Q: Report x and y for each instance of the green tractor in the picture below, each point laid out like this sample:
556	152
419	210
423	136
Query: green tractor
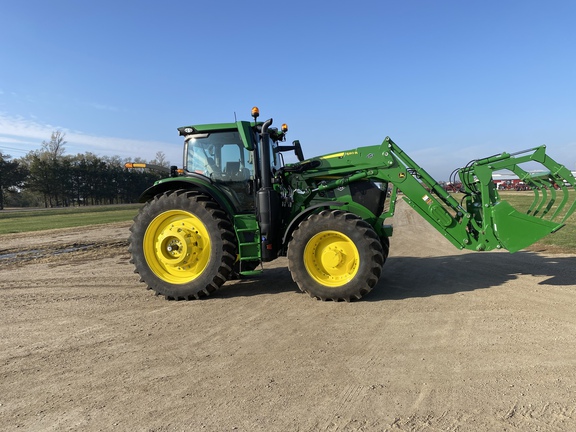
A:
236	204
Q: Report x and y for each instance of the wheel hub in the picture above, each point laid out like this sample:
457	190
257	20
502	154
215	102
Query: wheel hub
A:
179	246
331	258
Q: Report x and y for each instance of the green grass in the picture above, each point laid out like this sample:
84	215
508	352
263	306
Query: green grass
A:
16	221
561	241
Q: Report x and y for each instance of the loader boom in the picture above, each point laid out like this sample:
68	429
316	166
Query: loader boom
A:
481	221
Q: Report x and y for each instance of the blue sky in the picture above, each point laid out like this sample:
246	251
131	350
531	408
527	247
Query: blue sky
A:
449	81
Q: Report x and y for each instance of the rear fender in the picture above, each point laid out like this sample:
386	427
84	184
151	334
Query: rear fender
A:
204	187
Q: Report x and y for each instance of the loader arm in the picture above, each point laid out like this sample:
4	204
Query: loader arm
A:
482	220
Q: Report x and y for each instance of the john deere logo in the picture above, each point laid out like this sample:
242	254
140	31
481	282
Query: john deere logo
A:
401	175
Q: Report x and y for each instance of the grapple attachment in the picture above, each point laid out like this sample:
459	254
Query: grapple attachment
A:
494	219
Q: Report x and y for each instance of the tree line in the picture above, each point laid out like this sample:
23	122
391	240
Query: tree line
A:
48	178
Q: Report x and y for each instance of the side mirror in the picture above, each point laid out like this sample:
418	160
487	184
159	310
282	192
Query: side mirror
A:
295	146
298	150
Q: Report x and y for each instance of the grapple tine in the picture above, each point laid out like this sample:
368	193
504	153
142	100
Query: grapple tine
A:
541	188
570	210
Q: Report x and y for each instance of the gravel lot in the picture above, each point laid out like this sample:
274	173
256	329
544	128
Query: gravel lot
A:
447	341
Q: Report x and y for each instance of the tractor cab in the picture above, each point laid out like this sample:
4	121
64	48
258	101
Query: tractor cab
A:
239	158
220	155
225	155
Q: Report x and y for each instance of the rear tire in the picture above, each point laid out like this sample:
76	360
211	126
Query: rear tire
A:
182	245
334	255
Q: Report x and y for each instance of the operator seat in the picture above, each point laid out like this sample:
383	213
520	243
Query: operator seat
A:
234	172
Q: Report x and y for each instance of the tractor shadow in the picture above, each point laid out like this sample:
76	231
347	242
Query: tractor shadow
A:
411	277
274	280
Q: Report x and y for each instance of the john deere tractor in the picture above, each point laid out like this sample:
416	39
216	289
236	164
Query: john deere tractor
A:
235	204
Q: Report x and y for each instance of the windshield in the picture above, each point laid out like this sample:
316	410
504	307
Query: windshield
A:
220	156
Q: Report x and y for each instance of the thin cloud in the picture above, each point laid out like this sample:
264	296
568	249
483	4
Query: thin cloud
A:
23	128
19	131
103	107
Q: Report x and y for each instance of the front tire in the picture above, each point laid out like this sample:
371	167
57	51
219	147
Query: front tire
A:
334	255
182	245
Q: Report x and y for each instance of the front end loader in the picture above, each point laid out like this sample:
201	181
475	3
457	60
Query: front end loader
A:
235	204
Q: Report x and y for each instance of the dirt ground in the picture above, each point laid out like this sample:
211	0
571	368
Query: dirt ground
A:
447	341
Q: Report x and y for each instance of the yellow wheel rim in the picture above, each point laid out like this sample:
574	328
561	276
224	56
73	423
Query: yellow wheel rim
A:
331	258
177	246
